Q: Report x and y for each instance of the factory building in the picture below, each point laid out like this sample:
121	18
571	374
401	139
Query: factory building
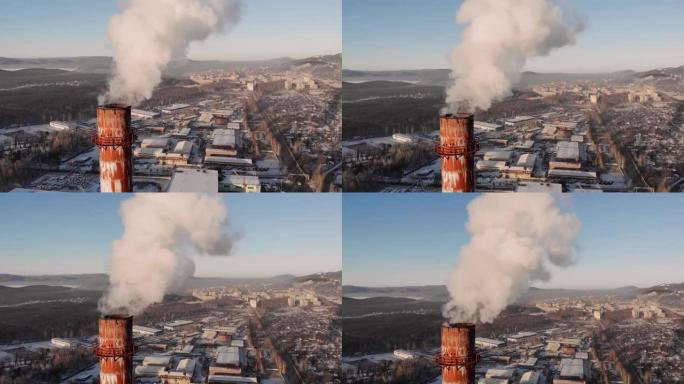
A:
144	115
180	326
176	109
229	361
521	336
162	143
491	166
218	379
500	373
652	311
234	162
194	180
522	122
498	156
240	183
481	127
484	342
146	331
530	378
183	148
573	369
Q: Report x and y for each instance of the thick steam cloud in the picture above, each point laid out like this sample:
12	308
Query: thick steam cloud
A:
148	34
161	235
500	36
511	239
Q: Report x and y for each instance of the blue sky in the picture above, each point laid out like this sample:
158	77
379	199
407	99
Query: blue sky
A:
413	34
269	28
398	240
73	233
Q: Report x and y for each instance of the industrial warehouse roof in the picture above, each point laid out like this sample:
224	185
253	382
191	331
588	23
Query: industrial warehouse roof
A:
231	379
175	107
184	147
567	150
242	180
572	369
487	126
228	356
571	174
527	160
529	378
186	365
228	161
485	340
141	329
498	155
488	165
143	113
155	143
157	360
519	119
522	335
193	180
499	373
224	138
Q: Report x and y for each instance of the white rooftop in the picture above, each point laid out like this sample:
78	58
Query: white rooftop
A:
572	368
567	150
228	356
224	138
519	119
242	180
231	379
194	180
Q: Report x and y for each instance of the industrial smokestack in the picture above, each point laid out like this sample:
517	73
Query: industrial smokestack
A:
114	139
457	357
116	349
457	149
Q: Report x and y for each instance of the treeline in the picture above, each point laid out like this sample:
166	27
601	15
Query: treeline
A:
45	366
411	371
31	106
384	117
380	334
47	320
19	159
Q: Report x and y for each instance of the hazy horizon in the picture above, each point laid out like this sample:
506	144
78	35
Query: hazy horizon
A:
176	60
195	276
527	71
532	287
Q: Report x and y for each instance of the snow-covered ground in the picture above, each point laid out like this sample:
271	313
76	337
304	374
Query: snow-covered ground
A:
30	129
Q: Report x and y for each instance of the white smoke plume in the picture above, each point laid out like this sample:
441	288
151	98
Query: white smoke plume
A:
500	36
162	234
511	239
148	34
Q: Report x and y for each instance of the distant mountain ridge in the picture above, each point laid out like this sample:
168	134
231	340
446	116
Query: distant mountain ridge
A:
439	292
103	64
528	78
100	281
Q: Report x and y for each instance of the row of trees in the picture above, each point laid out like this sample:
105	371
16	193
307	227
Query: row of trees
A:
20	158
